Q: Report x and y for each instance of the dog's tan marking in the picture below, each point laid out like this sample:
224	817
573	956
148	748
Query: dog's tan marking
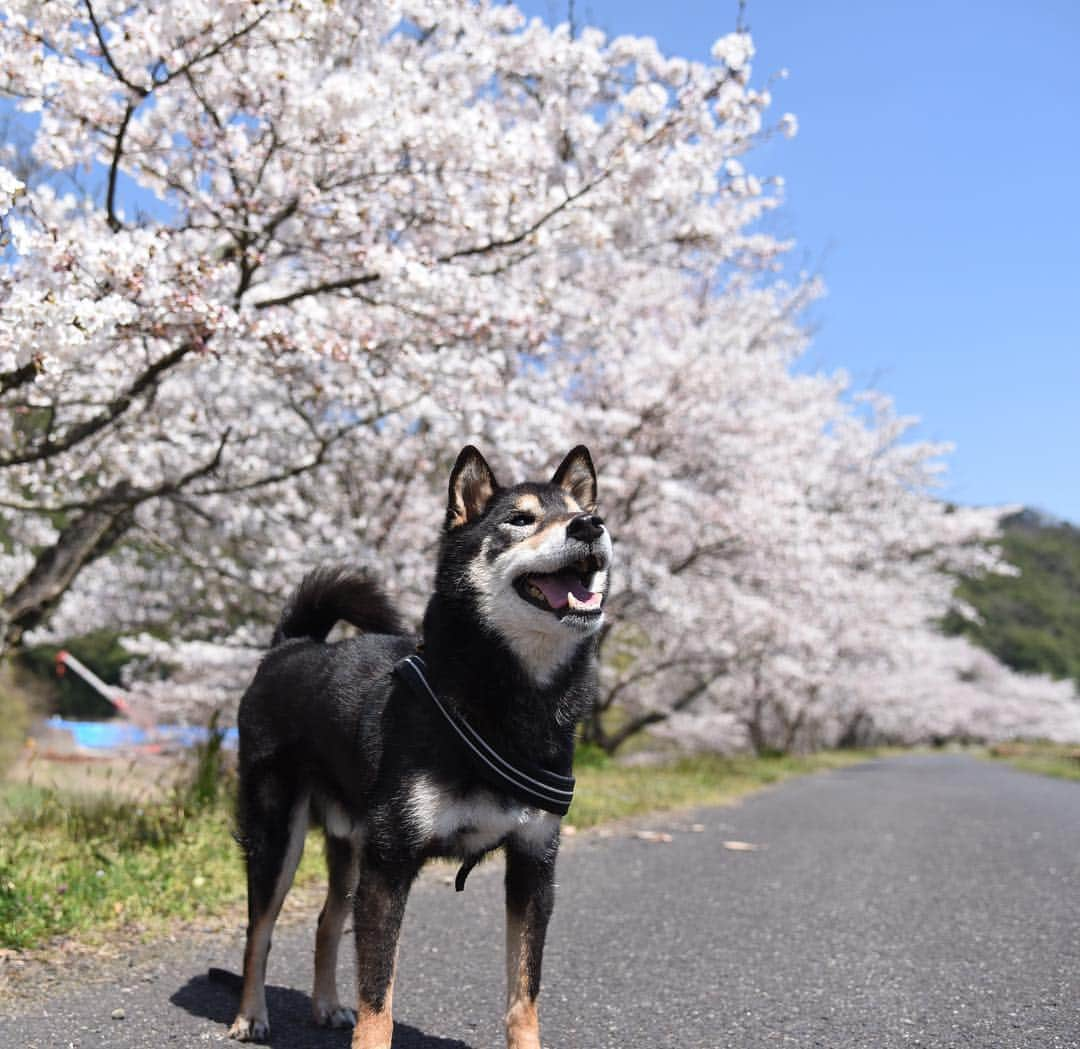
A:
377	915
325	1004
252	1018
375	1027
522	1017
539	539
529	504
253	997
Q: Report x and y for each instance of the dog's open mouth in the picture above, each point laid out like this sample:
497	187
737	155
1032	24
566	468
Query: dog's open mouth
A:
565	592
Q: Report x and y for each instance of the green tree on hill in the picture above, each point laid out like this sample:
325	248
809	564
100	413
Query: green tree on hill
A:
1030	621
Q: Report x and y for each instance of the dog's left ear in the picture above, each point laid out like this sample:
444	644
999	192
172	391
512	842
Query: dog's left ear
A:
577	476
472	484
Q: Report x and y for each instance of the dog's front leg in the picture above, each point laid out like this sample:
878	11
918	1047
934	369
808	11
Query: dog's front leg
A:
530	897
378	908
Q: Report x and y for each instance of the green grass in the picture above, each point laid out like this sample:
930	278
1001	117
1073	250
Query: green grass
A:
1046	759
71	864
82	866
607	791
19	798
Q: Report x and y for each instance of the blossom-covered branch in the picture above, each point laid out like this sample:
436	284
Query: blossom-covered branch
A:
354	236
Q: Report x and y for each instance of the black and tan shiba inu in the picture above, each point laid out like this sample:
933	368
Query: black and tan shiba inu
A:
457	751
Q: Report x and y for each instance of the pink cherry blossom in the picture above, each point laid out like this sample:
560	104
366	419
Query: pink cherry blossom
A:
279	261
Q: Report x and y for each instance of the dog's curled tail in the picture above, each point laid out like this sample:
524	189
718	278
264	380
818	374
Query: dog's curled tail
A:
326	595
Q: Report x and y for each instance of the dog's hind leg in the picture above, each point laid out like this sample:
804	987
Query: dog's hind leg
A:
530	897
273	834
378	909
341	864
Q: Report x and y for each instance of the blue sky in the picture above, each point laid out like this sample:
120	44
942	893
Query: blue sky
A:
935	184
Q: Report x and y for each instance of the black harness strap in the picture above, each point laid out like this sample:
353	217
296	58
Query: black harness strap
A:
532	784
465	870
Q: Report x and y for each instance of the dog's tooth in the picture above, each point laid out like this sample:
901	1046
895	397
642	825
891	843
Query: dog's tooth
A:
578	605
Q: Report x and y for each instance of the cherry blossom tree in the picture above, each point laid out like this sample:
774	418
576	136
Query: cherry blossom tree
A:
313	248
788	547
342	224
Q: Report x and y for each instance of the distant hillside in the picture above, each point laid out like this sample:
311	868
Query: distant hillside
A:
1030	621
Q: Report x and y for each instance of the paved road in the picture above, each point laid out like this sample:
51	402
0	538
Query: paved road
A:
916	902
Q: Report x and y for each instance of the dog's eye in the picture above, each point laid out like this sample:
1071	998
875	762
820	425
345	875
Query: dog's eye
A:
520	519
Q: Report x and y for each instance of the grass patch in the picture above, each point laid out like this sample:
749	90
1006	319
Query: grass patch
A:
18	798
1061	760
83	865
608	791
70	864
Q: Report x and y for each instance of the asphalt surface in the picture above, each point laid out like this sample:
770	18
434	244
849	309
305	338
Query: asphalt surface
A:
918	901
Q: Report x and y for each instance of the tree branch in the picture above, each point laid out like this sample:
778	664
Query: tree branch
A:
81	541
612	742
346	283
114	169
20	376
509	242
115	408
655	670
90	535
216	49
117	72
342	284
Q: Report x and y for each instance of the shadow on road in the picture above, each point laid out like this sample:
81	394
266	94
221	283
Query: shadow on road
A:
290	1018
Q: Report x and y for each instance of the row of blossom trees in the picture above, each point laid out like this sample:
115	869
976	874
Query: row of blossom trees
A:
315	247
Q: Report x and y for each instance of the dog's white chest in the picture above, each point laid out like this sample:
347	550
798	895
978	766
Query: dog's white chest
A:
466	825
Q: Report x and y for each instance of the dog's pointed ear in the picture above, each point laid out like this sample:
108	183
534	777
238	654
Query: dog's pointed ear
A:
472	485
577	476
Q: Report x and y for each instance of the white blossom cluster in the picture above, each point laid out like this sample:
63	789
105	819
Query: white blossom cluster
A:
283	259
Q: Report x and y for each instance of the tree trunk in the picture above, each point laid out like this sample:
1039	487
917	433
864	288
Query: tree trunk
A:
755	727
87	536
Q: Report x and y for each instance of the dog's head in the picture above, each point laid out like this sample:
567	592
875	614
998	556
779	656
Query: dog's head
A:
534	557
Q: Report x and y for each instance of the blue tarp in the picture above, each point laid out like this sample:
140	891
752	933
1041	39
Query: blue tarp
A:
107	735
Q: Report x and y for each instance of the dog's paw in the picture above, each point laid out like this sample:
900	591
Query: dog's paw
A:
330	1014
247	1029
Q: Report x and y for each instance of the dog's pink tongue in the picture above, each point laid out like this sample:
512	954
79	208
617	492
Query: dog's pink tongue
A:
558	588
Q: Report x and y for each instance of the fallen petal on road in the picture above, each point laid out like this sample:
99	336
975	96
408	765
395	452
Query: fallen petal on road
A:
656	836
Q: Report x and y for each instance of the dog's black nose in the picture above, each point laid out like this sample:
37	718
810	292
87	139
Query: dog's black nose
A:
585	527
